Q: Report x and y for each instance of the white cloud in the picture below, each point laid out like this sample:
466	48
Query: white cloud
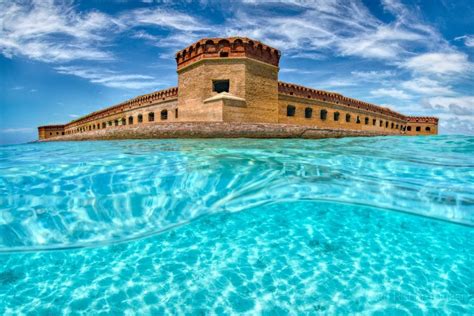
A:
73	115
439	63
110	78
177	41
55	32
461	105
144	35
167	19
17	130
338	82
386	42
299	71
373	75
52	32
337	27
468	40
390	92
424	85
320	25
453	124
313	55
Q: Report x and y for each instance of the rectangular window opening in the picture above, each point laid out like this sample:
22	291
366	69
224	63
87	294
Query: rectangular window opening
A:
220	86
290	110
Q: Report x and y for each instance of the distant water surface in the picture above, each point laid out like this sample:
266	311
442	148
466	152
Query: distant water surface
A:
381	224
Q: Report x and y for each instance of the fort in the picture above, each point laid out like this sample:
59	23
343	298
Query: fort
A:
228	87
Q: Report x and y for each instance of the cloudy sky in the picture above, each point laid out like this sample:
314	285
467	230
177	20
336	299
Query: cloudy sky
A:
61	60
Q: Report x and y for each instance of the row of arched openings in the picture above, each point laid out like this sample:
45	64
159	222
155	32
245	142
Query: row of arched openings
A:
323	115
124	121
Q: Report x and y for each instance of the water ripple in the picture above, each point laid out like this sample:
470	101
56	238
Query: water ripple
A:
78	194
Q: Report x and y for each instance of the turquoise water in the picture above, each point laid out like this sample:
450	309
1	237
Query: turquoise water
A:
238	226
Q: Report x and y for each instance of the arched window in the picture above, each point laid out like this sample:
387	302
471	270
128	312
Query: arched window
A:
308	112
124	121
290	110
427	128
104	125
336	116
374	122
348	117
391	125
140	118
396	126
418	128
130	120
116	122
358	119
386	124
151	117
164	115
366	121
176	113
324	114
381	123
409	128
110	123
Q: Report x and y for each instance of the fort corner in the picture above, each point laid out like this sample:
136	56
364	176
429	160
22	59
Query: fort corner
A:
233	82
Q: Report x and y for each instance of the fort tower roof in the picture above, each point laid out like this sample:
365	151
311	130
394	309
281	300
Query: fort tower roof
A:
230	47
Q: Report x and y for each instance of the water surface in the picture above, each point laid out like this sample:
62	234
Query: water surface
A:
381	224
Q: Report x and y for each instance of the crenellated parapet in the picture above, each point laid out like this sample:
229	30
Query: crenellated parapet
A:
231	47
327	96
142	100
52	126
422	119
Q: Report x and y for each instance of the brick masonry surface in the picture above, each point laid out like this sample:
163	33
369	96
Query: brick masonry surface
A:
213	130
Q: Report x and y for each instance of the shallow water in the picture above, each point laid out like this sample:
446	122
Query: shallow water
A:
271	226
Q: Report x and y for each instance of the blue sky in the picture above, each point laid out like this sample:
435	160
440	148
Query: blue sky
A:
61	60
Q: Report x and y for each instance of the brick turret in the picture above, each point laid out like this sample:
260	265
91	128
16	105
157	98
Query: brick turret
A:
243	68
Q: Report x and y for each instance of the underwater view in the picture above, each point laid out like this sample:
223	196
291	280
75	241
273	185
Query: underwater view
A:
380	225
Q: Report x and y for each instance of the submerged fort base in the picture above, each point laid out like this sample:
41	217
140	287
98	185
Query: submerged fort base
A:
228	87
